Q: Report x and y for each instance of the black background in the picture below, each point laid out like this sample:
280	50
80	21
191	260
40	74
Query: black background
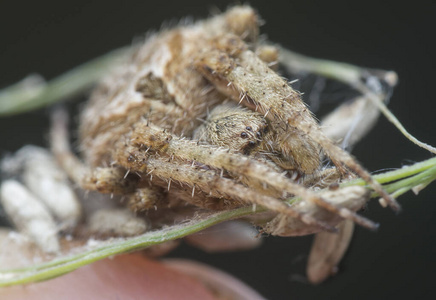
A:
50	37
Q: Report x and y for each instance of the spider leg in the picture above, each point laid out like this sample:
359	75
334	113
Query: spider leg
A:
144	198
137	160
243	73
207	180
353	197
346	125
110	180
152	137
323	178
97	139
269	55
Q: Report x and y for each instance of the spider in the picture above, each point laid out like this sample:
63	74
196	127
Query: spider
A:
198	116
150	119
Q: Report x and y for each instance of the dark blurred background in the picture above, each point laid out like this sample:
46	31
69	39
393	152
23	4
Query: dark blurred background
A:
50	37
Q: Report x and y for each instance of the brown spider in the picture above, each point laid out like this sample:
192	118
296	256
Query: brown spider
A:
147	125
198	115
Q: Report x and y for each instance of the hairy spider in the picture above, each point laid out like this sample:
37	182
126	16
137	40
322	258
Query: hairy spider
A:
174	113
198	116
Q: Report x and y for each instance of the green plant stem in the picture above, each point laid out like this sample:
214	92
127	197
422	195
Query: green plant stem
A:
405	179
397	174
22	97
70	263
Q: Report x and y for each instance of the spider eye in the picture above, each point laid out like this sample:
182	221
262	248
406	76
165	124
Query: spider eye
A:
248	128
249	147
244	135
